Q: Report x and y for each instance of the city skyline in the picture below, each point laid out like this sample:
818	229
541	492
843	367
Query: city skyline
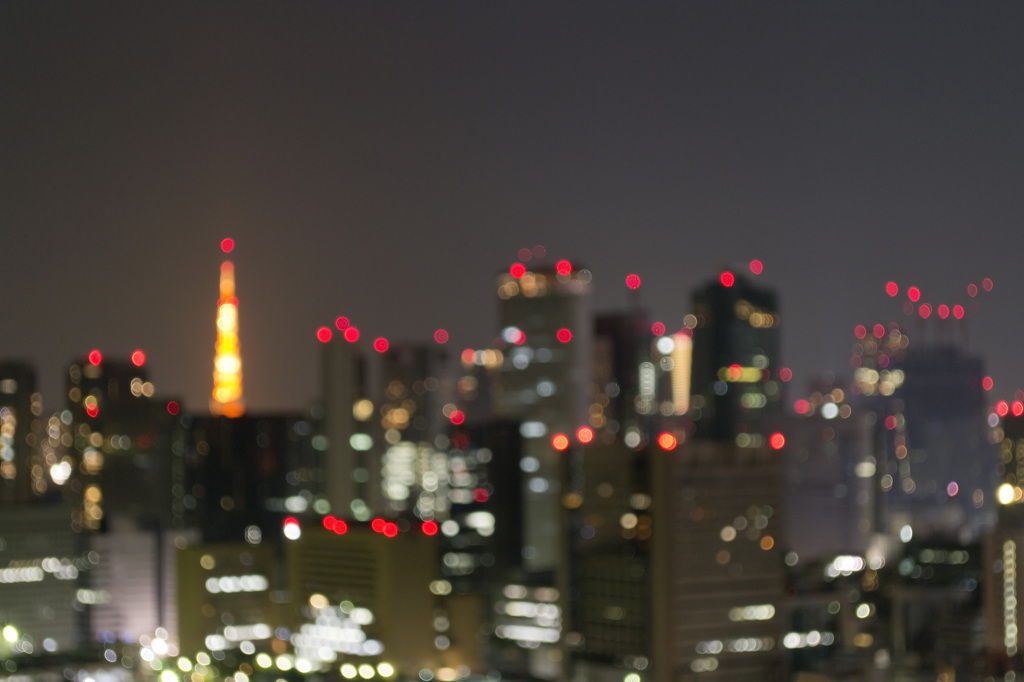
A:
386	162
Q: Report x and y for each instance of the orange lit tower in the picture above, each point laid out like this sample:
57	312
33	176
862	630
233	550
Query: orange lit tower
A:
227	364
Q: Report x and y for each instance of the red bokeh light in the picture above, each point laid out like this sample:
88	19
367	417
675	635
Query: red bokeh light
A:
457	417
291	521
925	311
657	329
666	441
986	284
972	290
785	374
480	495
342	323
329	522
173	407
380	344
563	335
138	358
525	254
227	244
1002	408
339	527
756	267
95	357
735	372
860	331
441	336
892	288
469	356
943	310
539	251
378	524
878	330
727	279
913	293
517	270
801	406
958	312
890	422
777	441
351	334
429	527
987	383
92	409
519	337
390	529
1017	408
560	442
633	281
324	334
584	434
563	267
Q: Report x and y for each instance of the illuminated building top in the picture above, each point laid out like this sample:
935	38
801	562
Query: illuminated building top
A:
227	364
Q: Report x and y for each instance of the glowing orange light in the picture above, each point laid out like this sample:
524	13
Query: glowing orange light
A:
390	529
1002	408
943	310
860	331
429	527
227	245
517	270
342	323
584	434
323	334
657	329
138	358
563	267
892	288
441	336
457	417
378	524
469	356
560	442
480	495
564	335
351	334
777	441
785	374
633	281
92	409
756	267
878	330
727	279
95	357
972	290
380	344
986	284
958	312
987	383
666	441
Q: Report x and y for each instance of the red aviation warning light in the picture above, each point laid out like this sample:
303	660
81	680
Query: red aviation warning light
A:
351	334
517	270
633	281
727	279
584	434
429	527
756	267
342	323
227	245
323	334
563	335
892	288
378	525
777	441
138	358
1002	408
380	345
95	357
563	267
914	294
441	336
666	441
560	442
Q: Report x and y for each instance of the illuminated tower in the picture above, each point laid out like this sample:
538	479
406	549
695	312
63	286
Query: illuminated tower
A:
227	364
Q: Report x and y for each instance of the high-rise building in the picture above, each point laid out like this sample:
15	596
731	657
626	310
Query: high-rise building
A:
22	470
736	377
227	363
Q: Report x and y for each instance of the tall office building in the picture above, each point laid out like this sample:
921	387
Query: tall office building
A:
736	378
227	363
22	469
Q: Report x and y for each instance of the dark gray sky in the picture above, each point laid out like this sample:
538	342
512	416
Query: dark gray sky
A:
383	160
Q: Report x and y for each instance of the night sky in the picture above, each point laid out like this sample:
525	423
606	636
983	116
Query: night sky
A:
384	160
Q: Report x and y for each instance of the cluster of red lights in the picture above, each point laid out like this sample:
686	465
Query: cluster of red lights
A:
943	311
335	525
1004	408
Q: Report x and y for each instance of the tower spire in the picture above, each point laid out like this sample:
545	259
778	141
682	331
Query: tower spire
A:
227	363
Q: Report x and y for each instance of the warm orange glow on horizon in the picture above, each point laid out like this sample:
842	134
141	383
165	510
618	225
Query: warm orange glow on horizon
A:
227	363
